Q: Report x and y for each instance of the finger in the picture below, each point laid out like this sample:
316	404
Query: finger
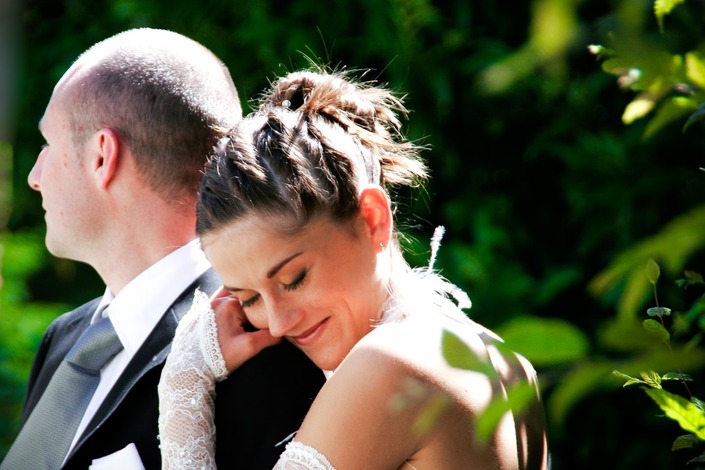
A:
262	339
228	311
245	346
219	296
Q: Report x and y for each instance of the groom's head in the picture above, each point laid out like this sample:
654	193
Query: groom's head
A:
133	119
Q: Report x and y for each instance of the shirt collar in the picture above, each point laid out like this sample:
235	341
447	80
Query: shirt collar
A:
139	306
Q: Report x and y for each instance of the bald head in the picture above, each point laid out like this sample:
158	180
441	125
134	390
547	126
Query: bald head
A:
166	96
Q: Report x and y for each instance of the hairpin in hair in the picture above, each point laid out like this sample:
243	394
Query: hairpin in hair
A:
286	103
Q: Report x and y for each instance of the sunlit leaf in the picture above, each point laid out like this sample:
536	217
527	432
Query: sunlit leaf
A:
638	108
688	416
695	68
651	379
663	8
629	379
545	341
458	354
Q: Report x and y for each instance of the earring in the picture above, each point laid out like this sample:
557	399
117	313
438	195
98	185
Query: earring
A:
381	245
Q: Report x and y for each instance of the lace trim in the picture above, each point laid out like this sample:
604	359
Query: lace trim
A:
209	334
299	456
187	391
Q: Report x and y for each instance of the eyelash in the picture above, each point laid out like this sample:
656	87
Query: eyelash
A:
298	282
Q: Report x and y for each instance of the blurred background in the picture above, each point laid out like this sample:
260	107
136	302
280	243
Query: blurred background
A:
557	172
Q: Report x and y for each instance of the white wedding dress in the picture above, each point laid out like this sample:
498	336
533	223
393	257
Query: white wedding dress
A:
186	399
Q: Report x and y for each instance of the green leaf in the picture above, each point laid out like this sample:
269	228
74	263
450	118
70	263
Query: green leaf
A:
629	379
458	354
518	398
676	376
686	441
691	278
699	403
652	271
695	68
663	8
544	341
698	459
658	311
697	117
688	416
657	329
651	379
670	110
638	108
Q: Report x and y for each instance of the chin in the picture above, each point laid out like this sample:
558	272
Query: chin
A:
327	363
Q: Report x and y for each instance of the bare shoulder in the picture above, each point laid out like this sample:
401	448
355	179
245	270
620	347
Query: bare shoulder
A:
396	397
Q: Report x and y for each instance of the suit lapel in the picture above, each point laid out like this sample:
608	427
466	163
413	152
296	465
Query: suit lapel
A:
152	353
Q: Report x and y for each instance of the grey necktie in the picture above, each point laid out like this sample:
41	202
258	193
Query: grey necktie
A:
46	437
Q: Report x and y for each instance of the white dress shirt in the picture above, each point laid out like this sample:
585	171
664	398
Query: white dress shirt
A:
136	310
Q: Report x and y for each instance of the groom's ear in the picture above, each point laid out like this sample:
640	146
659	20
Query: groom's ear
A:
105	156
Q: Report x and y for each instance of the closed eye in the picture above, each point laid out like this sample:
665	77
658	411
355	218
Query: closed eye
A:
296	283
249	302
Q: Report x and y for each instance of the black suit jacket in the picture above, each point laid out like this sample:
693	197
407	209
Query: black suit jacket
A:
258	406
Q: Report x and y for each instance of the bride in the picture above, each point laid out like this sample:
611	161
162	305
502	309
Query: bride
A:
295	216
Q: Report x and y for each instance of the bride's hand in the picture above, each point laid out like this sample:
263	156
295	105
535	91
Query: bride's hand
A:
236	343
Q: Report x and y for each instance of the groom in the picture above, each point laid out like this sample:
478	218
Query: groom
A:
127	130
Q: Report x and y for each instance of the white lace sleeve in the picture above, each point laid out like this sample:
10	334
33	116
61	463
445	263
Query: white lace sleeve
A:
299	456
187	390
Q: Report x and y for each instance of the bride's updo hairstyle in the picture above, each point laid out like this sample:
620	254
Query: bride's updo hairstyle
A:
315	141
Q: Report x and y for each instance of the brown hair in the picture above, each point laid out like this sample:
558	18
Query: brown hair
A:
166	95
316	139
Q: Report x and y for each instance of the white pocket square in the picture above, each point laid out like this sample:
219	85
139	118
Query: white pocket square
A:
124	459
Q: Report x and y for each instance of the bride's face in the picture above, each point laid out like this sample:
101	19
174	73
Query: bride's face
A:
320	288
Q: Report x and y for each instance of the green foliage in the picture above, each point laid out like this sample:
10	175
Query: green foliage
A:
545	342
667	83
663	8
688	413
690	417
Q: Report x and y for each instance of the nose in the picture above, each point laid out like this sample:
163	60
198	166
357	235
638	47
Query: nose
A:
283	317
36	174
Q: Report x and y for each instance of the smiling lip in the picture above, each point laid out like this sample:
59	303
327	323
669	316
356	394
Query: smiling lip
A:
309	336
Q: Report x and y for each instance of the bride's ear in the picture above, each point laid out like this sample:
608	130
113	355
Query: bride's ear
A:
376	212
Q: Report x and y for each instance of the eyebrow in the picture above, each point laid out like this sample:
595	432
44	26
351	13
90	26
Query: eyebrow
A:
272	272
